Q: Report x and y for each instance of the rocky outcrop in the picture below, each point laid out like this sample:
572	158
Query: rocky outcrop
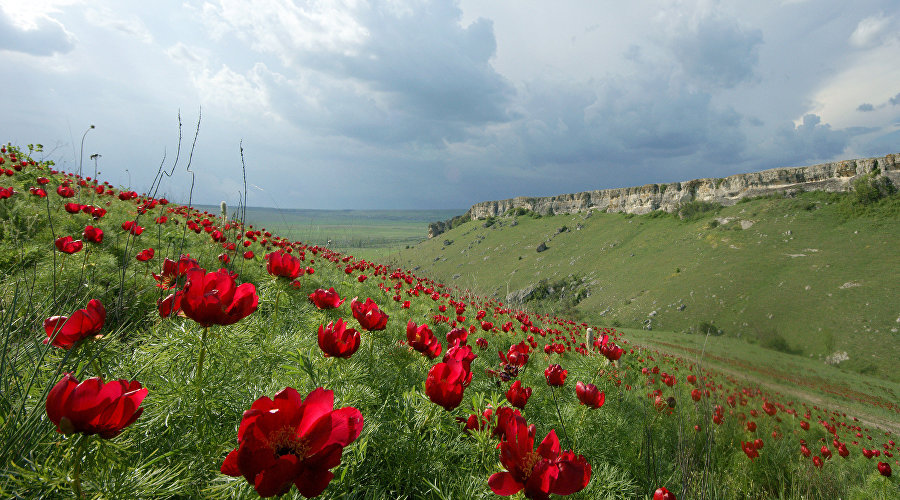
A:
835	176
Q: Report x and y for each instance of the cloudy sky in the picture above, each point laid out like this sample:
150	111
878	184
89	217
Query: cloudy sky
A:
441	104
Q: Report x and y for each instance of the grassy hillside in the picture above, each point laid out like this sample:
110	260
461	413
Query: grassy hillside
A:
812	275
227	393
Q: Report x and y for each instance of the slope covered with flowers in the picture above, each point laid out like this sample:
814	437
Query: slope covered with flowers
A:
154	350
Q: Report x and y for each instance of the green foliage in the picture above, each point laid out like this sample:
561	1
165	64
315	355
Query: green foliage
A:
771	339
708	328
871	187
409	448
693	210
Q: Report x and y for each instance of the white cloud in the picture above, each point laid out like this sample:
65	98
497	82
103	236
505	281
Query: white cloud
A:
27	31
865	77
130	25
29	14
873	31
283	27
237	94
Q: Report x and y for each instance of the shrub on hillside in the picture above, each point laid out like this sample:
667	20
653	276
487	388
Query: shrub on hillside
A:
708	328
870	188
771	339
696	209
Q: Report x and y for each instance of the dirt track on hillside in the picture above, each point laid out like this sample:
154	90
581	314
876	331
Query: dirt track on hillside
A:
789	389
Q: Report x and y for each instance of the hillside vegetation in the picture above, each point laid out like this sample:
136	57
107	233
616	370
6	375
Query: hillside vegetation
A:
153	350
813	275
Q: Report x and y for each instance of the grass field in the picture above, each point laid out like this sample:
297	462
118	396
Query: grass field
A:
801	275
422	397
367	234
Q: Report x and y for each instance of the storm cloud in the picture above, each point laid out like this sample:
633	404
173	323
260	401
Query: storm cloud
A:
427	103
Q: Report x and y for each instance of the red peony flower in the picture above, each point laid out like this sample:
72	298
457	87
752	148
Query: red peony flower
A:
481	342
325	299
464	356
82	324
368	314
173	270
66	244
696	394
555	375
610	350
169	305
145	255
249	254
540	472
445	384
518	395
884	469
93	407
589	395
750	449
283	264
337	340
39	192
95	212
92	234
65	191
132	227
663	494
457	336
422	339
215	298
286	440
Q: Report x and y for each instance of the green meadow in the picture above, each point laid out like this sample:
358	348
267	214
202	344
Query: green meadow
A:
813	275
712	415
362	233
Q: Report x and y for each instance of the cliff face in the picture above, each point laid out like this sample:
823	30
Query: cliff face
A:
835	176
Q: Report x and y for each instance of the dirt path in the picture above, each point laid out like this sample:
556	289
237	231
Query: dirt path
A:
865	419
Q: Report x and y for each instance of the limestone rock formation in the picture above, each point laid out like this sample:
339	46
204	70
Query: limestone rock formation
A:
833	177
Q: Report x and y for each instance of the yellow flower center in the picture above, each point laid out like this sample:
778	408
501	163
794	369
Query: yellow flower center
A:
285	441
530	461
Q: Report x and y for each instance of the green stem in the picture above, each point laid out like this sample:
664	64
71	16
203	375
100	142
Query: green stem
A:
77	454
558	414
277	296
96	367
202	355
581	420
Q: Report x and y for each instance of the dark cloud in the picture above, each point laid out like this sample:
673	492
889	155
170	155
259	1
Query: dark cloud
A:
47	38
810	141
895	100
417	76
618	122
882	145
718	52
865	107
